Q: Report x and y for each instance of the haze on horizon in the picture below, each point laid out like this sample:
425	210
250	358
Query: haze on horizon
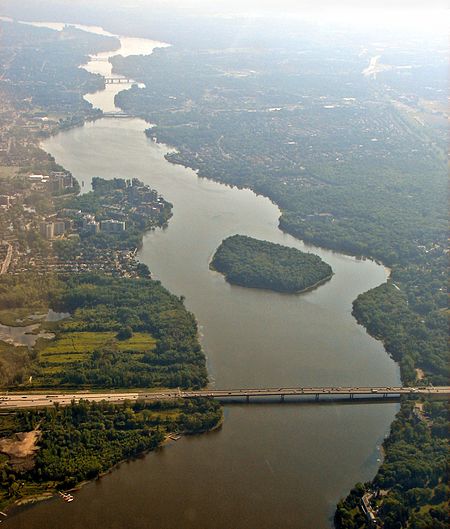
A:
405	13
276	5
410	15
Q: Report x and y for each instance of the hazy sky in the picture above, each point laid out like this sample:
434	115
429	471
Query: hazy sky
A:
427	15
294	5
425	12
248	6
417	16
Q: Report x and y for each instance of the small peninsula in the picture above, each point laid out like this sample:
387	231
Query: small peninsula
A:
253	263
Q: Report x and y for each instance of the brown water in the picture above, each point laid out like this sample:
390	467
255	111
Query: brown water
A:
270	466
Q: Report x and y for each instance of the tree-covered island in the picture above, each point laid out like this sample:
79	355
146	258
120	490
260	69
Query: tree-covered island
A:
361	189
376	188
253	263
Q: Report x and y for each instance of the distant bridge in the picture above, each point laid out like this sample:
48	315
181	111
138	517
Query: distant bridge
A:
297	394
118	80
114	114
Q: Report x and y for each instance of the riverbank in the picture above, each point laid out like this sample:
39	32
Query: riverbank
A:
169	439
381	324
147	428
313	339
81	219
294	292
329	207
195	282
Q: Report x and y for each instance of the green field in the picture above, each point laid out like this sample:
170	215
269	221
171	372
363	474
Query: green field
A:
78	346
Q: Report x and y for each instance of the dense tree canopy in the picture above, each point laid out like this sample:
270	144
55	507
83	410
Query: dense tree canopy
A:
260	264
100	303
83	440
351	171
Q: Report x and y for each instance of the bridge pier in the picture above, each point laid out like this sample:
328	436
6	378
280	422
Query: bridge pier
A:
317	396
247	398
282	398
351	396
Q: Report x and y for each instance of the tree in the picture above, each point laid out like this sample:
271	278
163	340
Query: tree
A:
125	333
143	270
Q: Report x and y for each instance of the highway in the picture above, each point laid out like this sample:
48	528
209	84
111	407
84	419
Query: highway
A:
38	400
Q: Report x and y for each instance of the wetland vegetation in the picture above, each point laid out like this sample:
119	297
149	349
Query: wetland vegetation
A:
162	347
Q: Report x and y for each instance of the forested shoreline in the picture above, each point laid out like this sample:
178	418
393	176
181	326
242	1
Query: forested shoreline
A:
83	441
396	214
167	354
387	202
113	327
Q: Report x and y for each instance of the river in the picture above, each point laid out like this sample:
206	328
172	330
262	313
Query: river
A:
269	466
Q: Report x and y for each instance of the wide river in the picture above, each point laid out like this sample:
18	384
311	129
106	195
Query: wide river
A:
269	466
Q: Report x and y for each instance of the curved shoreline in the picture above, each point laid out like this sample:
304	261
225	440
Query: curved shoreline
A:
284	292
28	501
281	230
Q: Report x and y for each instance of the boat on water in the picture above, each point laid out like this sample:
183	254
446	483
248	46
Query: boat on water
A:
66	497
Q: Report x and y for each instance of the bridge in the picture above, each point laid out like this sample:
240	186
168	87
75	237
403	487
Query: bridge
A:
118	80
116	115
295	394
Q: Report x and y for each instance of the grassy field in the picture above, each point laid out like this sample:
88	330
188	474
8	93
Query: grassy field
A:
77	346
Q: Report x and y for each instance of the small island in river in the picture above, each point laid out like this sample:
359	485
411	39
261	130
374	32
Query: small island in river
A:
253	263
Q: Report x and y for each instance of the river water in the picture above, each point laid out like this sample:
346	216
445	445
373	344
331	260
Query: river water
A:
269	466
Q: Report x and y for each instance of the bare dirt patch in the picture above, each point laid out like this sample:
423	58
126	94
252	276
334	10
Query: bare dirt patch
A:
420	374
20	448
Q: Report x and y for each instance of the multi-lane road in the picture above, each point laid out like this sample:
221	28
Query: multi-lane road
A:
36	400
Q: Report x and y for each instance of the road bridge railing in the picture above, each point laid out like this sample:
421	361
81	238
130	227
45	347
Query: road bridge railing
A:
35	400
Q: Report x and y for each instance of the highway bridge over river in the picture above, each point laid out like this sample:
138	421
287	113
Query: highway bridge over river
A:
118	80
260	395
116	114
